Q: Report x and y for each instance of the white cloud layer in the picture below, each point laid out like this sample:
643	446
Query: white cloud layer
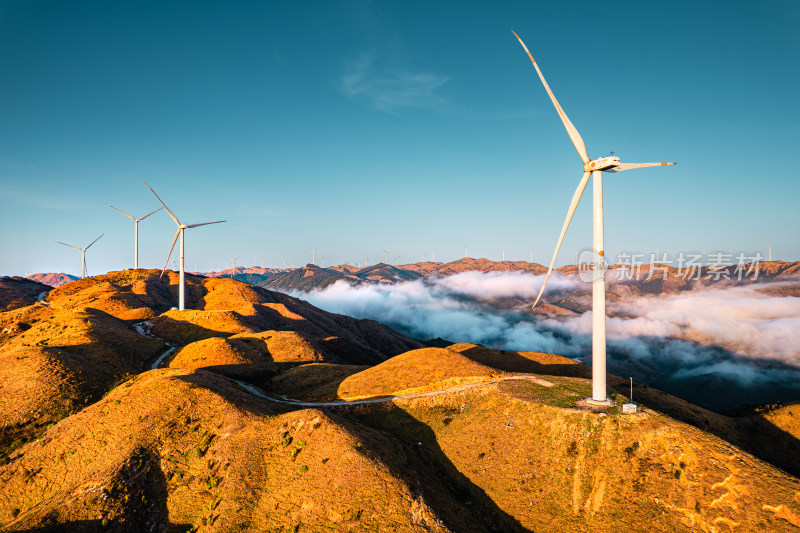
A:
738	332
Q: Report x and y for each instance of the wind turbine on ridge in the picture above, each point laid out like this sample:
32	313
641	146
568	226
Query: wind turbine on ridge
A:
594	169
385	251
135	232
181	228
313	256
83	254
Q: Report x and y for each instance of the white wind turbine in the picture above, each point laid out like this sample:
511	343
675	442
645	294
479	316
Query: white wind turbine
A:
181	227
595	169
83	254
313	255
135	232
385	252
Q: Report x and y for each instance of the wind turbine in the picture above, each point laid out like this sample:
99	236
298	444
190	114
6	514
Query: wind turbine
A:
384	255
233	267
135	232
83	254
181	227
595	169
313	256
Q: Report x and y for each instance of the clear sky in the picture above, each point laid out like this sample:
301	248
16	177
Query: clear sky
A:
410	126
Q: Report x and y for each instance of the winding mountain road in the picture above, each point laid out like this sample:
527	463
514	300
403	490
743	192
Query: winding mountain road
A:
383	399
141	330
41	299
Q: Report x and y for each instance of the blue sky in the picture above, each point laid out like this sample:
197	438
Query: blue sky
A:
409	126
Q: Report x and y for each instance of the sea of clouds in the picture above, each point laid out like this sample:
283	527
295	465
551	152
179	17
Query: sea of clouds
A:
742	333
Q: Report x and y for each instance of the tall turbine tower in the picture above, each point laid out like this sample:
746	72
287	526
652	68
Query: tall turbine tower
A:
135	232
313	256
384	255
233	267
593	169
83	254
181	228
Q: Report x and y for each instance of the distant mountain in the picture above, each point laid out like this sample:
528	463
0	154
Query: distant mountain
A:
53	279
621	281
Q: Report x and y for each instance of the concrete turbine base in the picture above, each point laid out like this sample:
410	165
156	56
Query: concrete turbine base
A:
600	403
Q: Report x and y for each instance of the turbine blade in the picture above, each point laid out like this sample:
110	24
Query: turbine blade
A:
174	240
204	224
572	206
123	212
629	166
574	136
171	214
150	213
94	241
65	244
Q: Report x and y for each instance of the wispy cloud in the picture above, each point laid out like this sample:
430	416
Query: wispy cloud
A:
388	89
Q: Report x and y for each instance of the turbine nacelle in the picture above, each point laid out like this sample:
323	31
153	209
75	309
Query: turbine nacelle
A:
601	163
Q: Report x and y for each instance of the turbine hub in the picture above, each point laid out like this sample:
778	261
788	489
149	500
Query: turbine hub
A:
602	163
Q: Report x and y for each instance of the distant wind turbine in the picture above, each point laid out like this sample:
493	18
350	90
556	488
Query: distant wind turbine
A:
384	255
593	169
181	228
313	256
770	251
233	266
135	232
83	254
466	249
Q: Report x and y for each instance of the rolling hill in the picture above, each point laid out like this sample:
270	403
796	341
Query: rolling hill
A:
276	416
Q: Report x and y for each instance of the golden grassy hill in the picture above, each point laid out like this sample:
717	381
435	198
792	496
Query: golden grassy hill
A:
773	436
18	292
530	362
178	449
252	356
786	418
312	380
543	465
426	368
223	307
57	361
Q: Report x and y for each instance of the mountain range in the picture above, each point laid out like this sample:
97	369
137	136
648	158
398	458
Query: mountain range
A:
256	411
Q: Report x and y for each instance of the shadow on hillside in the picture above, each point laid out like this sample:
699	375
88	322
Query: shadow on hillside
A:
138	503
762	438
514	362
230	391
464	506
